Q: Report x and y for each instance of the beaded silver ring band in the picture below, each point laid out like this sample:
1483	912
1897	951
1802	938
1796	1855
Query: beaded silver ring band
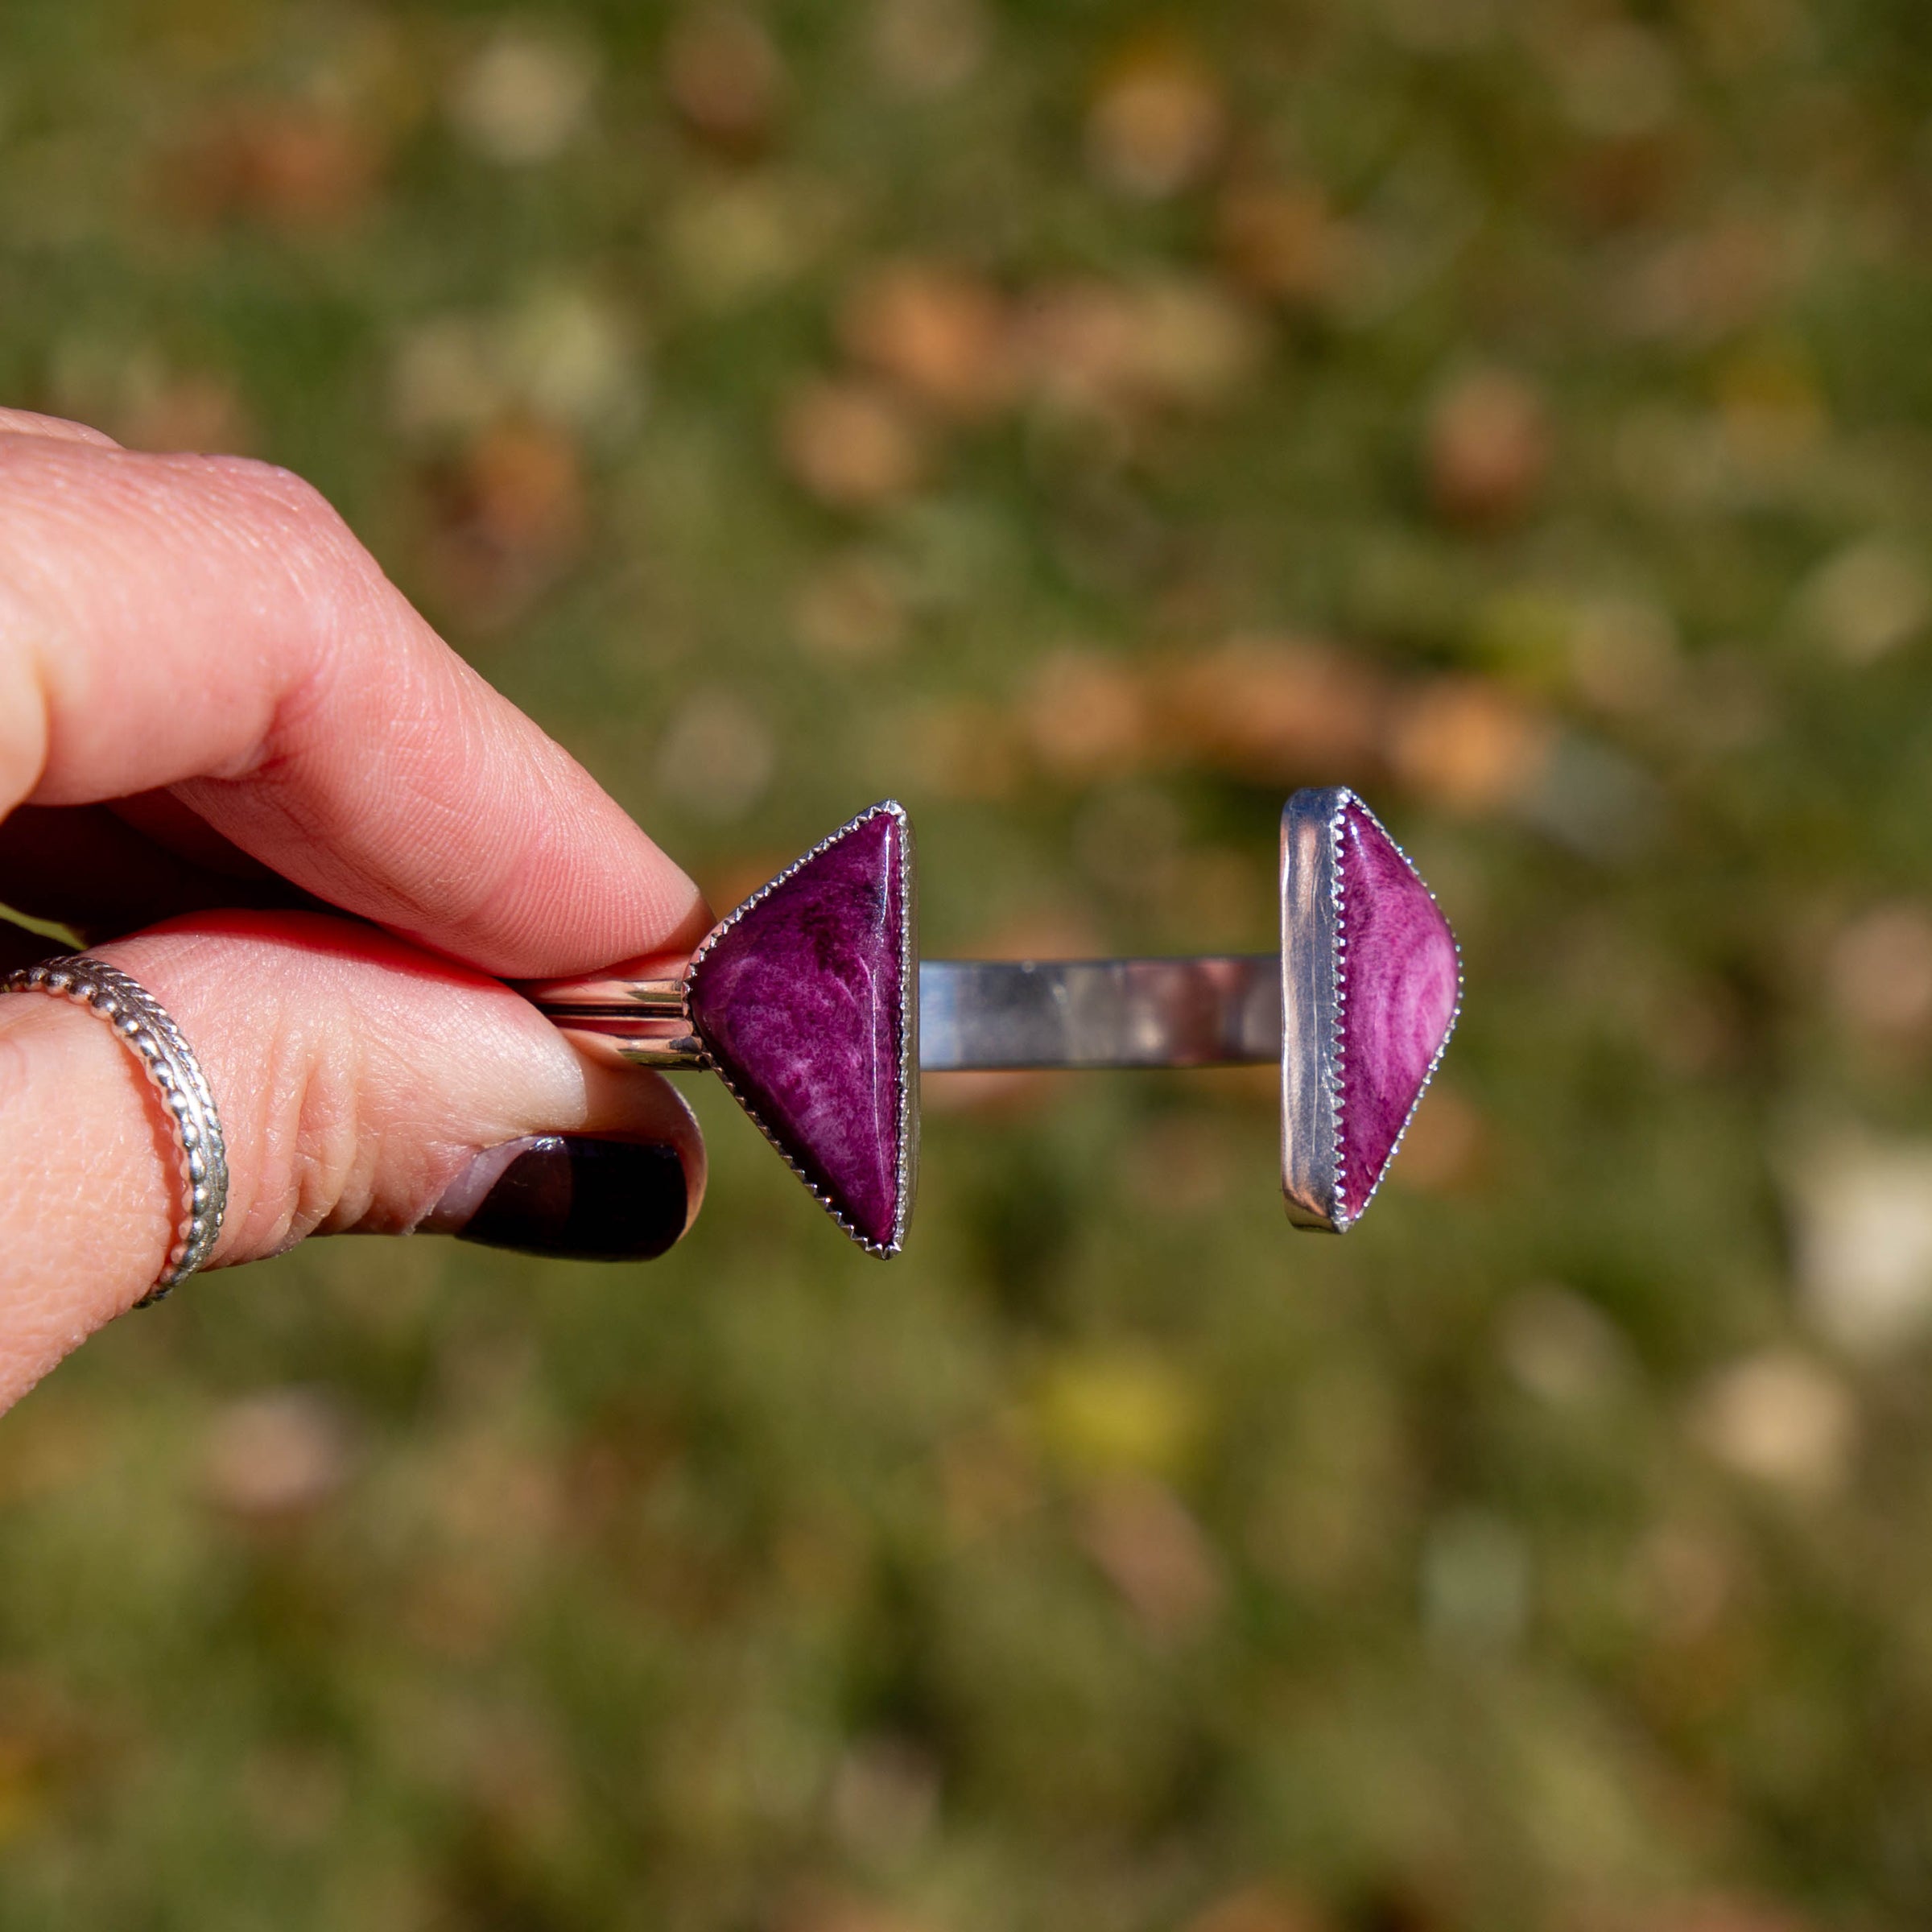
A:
146	1028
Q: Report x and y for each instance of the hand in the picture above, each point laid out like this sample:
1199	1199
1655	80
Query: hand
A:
220	723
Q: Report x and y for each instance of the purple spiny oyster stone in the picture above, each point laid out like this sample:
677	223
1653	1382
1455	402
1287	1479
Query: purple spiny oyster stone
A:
801	1000
1400	979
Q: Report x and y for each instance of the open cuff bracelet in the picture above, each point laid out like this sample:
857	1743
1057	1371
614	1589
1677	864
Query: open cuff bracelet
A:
811	1003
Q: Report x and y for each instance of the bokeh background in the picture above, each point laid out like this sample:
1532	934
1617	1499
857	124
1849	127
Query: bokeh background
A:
1085	421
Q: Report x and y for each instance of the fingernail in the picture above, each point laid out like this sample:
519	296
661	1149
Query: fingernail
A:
572	1195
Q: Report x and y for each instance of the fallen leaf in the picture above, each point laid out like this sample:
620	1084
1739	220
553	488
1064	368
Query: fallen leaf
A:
929	46
1487	449
850	610
1157	123
938	331
725	77
278	1455
1470	745
1779	1418
299	165
1087	715
524	96
1150	1547
851	444
1282	242
1274	710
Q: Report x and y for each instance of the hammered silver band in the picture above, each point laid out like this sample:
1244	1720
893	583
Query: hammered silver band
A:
144	1026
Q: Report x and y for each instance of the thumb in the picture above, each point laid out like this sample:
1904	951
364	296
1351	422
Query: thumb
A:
362	1085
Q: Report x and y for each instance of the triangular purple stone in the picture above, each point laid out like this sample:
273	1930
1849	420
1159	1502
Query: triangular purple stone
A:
801	998
1400	978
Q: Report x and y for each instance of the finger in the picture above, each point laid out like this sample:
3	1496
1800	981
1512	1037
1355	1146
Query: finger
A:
31	423
361	1085
208	624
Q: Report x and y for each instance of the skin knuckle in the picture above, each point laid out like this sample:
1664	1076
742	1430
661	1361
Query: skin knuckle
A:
312	1162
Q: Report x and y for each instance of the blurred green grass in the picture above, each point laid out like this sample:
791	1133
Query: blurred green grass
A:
1085	423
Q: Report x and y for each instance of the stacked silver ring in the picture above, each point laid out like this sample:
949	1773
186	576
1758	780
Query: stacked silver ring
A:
145	1027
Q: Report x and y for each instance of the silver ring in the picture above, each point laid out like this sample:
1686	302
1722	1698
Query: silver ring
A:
144	1026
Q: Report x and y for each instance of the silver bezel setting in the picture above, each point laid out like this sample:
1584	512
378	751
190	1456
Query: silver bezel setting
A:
906	1167
1311	919
1314	995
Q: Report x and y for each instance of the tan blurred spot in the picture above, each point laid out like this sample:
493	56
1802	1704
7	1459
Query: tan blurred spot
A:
961	748
1781	1417
725	76
564	354
1700	286
279	1454
731	239
1148	1544
292	164
1273	710
717	756
1624	656
524	96
1868	600
1260	1909
1282	242
884	1797
1443	1150
508	512
1102	347
446	376
572	357
1487	449
1562	1348
851	444
1469	745
939	331
1880	973
528	490
929	46
1085	714
1158	121
1862	1208
201	413
850	610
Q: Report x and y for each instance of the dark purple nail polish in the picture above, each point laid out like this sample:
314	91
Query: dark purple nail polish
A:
574	1196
